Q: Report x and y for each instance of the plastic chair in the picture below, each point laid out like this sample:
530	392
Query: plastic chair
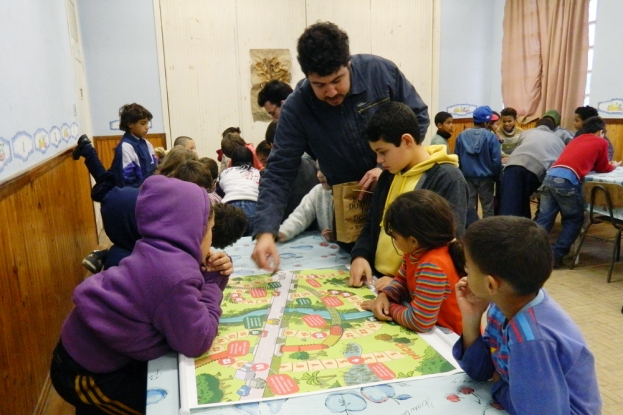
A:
603	198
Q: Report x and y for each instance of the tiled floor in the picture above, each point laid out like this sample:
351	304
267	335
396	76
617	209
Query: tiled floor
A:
583	292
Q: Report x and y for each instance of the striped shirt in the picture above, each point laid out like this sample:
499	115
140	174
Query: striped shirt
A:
426	282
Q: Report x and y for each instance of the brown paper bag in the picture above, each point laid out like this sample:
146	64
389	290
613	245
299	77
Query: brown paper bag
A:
350	213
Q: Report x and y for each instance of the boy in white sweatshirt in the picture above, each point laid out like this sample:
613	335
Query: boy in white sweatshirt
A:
317	204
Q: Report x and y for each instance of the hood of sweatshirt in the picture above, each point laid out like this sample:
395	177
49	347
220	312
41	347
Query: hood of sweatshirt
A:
438	155
476	139
171	212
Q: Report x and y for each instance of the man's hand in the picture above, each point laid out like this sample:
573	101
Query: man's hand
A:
368	181
359	271
265	252
219	261
379	306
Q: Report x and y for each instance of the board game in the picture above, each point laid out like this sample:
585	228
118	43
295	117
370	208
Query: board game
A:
301	332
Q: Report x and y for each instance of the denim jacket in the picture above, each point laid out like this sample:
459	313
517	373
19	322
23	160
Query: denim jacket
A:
331	134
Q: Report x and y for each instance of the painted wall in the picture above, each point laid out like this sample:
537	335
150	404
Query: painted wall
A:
471	56
121	60
37	86
607	83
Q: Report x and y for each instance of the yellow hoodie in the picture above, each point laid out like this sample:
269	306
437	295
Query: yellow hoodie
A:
387	260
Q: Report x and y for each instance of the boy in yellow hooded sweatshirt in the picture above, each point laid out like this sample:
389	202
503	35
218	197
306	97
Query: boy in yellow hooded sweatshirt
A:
393	134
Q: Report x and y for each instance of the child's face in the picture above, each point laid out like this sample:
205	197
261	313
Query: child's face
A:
403	243
392	158
494	125
447	126
476	280
190	145
577	122
140	128
261	157
508	123
207	240
323	180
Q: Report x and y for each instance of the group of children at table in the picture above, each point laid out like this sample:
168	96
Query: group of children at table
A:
166	294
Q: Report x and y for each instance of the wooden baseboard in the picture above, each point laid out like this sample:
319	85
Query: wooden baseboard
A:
43	397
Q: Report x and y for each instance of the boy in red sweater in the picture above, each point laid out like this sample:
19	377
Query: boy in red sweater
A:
562	188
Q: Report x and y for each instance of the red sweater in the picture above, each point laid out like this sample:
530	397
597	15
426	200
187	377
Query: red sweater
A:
585	153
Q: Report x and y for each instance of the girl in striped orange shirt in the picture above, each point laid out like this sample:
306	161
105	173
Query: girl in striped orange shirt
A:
421	295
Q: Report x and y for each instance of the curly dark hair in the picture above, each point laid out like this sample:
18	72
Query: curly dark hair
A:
508	111
274	92
230	223
131	113
323	49
586	112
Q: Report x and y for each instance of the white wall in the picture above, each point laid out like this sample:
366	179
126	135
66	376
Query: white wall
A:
606	92
38	104
121	60
471	55
207	61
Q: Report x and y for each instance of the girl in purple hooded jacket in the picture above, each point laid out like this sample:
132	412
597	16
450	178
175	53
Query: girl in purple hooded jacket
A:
165	296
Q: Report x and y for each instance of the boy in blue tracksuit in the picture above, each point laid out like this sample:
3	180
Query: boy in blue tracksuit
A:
531	349
135	159
480	160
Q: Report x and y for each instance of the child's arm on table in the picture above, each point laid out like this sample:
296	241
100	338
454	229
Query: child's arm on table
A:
431	289
382	304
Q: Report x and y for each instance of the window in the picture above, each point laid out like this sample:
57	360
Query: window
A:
592	19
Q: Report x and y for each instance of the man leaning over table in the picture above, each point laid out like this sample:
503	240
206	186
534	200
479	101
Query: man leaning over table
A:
325	116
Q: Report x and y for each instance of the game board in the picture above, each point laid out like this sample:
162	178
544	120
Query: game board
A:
301	332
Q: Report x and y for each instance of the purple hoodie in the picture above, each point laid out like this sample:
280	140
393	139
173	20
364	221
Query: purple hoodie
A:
157	299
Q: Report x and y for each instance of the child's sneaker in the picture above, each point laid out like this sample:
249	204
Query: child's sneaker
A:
83	141
94	262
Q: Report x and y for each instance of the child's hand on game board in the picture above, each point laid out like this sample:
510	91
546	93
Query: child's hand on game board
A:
382	282
219	261
379	306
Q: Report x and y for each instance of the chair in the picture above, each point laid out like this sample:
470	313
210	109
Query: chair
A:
603	199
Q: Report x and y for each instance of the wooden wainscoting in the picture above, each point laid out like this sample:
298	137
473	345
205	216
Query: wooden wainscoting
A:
48	226
614	131
105	145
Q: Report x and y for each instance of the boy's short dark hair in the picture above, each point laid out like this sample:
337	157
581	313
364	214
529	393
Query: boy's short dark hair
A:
230	223
548	122
131	113
270	132
230	141
241	156
274	91
592	125
586	112
323	49
263	148
182	140
441	117
511	248
194	172
508	111
230	130
390	122
212	165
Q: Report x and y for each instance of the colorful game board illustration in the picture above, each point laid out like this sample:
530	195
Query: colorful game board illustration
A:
302	332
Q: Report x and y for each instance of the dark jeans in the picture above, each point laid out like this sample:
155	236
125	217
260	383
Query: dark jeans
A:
122	392
249	207
481	189
518	184
104	179
560	195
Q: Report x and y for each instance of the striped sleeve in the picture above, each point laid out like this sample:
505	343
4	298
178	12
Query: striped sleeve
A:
132	175
432	287
397	291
